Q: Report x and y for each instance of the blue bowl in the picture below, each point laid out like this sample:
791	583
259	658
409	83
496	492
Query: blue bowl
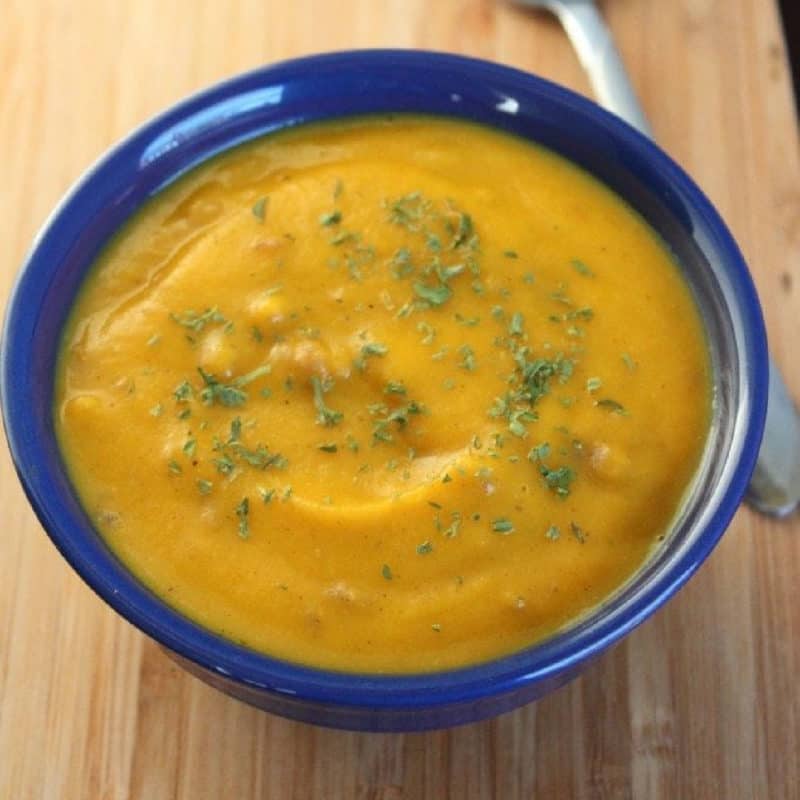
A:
352	83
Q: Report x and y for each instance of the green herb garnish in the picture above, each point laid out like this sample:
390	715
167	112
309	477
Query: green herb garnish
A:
331	218
196	322
612	406
581	268
553	533
577	532
325	416
503	525
259	208
266	495
467	358
242	512
435	295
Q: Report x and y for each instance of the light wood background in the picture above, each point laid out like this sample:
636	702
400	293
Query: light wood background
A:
702	701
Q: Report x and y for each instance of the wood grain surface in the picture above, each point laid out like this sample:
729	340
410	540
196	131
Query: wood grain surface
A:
702	701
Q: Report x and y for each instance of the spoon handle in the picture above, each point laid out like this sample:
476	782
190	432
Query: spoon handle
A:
775	485
600	58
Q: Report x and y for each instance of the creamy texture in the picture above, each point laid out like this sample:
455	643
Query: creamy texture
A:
385	395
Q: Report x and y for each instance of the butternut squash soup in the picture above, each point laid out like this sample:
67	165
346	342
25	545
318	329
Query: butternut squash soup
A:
391	394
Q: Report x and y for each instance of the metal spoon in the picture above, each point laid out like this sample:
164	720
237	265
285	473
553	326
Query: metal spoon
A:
775	485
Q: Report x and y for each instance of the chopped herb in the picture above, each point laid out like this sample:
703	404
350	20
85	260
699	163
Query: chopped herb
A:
428	331
174	467
408	210
157	410
338	188
558	480
190	447
515	327
224	465
260	457
401	263
424	548
325	415
477	287
153	340
436	627
593	384
352	444
255	332
540	452
467	358
204	486
255	374
196	322
455	524
529	278
584	313
394	387
343	237
611	405
446	273
331	218
446	478
464	231
503	525
435	295
183	392
468	322
510	254
216	392
498	313
439	354
517	420
386	571
581	268
259	208
629	362
577	532
287	493
560	297
374	349
328	447
553	533
236	430
242	512
266	495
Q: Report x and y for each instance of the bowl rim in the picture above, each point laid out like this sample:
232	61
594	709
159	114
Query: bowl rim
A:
502	675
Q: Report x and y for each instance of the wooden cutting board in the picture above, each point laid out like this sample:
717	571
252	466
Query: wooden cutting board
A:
701	701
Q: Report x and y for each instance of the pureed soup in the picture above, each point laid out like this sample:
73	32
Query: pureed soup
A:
388	394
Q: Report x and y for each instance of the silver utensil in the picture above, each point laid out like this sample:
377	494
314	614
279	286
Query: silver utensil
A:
775	485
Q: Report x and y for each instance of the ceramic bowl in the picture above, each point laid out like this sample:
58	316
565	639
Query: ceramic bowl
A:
364	82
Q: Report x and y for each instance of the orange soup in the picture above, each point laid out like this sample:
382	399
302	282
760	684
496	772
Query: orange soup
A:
388	394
